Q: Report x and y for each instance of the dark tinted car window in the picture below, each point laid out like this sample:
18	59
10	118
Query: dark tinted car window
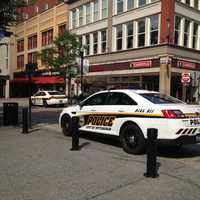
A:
118	98
157	98
40	94
98	99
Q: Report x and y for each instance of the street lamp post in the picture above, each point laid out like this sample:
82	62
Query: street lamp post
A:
81	75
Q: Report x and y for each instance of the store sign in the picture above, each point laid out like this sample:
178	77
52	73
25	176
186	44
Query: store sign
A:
141	64
185	78
185	64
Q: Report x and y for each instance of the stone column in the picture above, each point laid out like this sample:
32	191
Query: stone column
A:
165	76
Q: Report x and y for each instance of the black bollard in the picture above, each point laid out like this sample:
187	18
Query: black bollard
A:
75	133
29	113
152	135
25	120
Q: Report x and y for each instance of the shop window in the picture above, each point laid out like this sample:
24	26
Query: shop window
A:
32	42
88	13
154	30
96	10
177	30
130	4
104	9
119	37
195	36
81	16
47	37
186	33
129	37
20	45
141	3
141	32
103	41
95	43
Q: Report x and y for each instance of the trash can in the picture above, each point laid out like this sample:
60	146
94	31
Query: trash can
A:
10	113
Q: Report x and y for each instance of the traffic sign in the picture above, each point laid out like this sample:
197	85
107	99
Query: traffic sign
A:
185	78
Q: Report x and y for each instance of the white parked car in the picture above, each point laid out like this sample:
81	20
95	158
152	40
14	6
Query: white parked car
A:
129	113
48	97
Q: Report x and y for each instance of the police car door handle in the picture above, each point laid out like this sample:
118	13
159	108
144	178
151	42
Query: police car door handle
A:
93	110
121	110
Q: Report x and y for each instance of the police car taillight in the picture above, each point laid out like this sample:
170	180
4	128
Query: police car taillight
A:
173	114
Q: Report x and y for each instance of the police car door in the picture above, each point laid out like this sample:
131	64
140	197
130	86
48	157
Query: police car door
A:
91	112
119	106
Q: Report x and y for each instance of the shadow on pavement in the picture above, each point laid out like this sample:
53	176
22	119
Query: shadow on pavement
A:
186	151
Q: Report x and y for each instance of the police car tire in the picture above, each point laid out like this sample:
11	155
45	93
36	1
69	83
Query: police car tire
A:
66	125
132	130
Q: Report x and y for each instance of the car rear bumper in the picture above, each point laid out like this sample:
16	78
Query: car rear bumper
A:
184	139
56	101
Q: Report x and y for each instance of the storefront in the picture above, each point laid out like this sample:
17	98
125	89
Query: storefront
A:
154	74
24	85
3	85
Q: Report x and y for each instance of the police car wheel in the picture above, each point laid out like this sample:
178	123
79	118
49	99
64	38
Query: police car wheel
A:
132	139
66	125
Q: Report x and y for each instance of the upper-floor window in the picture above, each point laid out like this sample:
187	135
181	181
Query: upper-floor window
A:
88	13
47	37
81	16
154	30
120	6
32	42
20	61
196	4
187	2
141	2
61	29
32	58
177	30
87	44
74	18
130	4
129	36
20	45
141	32
186	33
96	10
103	41
46	6
104	9
119	37
95	43
195	36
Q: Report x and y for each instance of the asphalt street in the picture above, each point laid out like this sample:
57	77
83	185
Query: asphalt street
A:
41	166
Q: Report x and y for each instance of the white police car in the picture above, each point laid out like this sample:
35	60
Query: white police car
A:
129	113
48	97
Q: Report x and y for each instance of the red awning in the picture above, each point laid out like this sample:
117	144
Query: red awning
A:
41	80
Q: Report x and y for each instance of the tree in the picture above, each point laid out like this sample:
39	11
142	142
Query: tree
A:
9	14
62	56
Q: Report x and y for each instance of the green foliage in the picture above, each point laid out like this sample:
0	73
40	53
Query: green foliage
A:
62	55
8	11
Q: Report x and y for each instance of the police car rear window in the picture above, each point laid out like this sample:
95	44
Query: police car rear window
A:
157	98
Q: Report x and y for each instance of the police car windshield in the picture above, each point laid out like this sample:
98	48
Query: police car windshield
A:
157	98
